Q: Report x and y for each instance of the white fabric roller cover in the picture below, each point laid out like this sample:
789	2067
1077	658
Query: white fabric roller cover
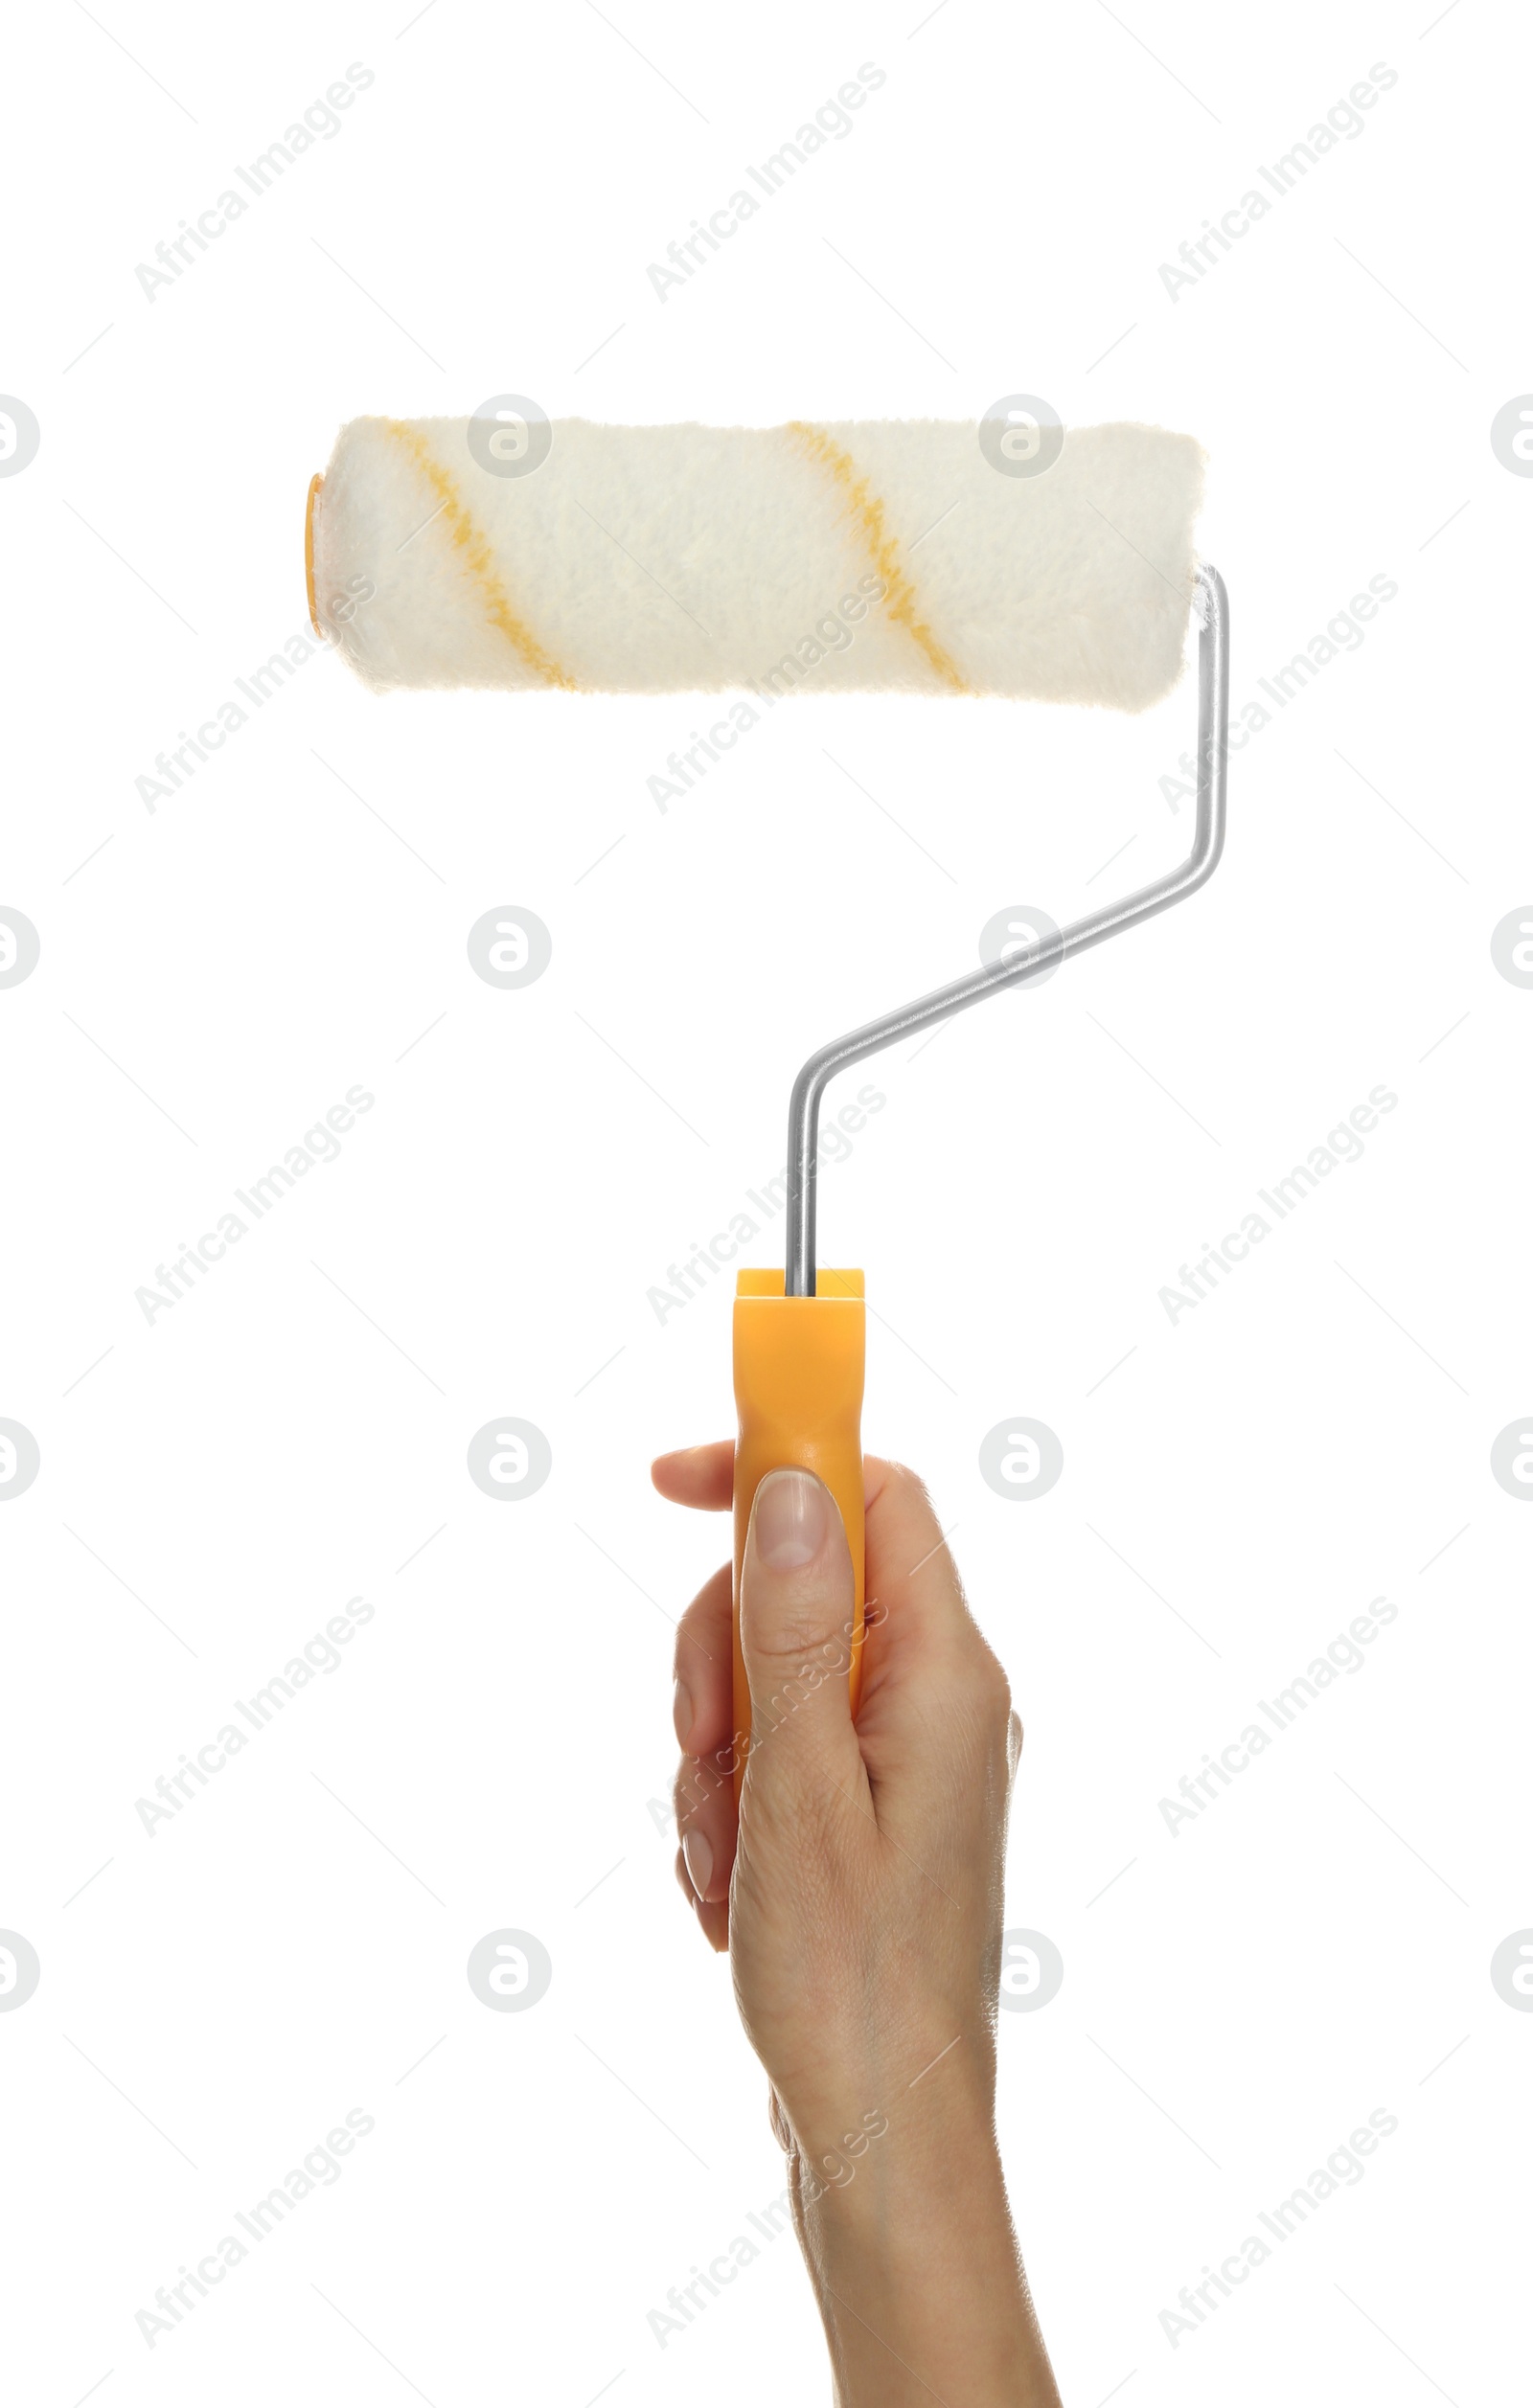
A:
858	557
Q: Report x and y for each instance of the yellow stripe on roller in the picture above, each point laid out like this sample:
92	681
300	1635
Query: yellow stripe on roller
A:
479	559
866	510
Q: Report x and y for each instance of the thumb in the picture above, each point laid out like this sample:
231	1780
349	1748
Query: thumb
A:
796	1605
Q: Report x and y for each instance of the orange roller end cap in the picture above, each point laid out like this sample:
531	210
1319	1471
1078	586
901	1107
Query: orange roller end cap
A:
308	553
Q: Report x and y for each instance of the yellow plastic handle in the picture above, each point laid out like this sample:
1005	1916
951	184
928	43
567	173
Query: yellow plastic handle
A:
798	1386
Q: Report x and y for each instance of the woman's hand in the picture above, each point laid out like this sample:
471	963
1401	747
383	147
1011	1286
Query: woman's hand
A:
859	1894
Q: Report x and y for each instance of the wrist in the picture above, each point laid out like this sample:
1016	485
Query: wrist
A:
910	2243
906	2147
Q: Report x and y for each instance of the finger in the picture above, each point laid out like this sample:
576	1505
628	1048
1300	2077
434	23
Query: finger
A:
704	1719
707	1825
796	1617
916	1604
714	1920
935	1706
701	1476
703	1702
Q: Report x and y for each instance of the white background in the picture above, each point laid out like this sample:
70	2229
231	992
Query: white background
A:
1237	1487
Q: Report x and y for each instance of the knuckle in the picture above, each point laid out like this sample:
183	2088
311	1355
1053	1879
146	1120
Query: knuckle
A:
804	1630
988	1681
696	1784
911	1487
800	1640
691	1652
1014	1745
782	1688
988	1694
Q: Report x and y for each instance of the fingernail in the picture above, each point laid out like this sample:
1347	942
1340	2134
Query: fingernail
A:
699	1861
681	1710
792	1520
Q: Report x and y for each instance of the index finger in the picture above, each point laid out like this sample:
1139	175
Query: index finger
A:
701	1476
704	1476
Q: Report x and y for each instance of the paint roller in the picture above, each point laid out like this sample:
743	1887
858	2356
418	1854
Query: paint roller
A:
921	557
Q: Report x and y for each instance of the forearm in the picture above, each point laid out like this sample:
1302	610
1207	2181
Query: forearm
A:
917	2271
